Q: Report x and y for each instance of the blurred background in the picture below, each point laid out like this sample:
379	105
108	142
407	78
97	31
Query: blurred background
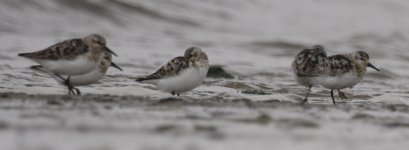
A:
255	40
250	39
273	30
233	32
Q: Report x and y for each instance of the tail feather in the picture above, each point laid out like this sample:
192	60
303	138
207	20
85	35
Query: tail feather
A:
146	79
37	67
140	79
25	54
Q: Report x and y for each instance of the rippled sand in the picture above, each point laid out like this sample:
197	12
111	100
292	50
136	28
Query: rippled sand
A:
98	122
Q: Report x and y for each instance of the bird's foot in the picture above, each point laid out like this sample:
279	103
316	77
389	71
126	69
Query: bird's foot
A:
342	95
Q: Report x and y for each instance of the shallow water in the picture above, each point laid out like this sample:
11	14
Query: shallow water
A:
255	41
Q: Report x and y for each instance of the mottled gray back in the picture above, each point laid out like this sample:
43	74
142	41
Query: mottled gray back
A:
173	67
68	49
310	62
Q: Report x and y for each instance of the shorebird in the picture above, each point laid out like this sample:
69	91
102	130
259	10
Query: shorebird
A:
71	57
308	66
345	70
87	78
182	73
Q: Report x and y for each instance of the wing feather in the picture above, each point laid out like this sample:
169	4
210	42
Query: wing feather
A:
68	49
309	63
173	67
339	64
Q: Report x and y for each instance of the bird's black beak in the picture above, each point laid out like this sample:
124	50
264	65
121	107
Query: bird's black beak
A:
373	67
116	66
112	52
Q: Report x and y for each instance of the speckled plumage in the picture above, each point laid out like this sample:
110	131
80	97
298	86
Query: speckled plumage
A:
343	63
310	62
182	73
334	72
173	67
345	70
71	57
68	49
338	64
88	78
308	65
178	64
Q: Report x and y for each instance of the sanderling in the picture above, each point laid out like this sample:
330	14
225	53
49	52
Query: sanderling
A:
181	74
344	70
308	65
71	57
87	78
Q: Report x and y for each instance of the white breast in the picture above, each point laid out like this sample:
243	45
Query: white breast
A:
340	81
84	79
185	81
80	65
307	81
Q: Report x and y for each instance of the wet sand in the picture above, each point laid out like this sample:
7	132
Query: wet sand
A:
108	122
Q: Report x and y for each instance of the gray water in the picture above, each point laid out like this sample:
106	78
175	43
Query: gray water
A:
254	40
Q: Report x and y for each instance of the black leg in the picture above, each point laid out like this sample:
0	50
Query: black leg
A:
178	94
173	92
74	90
332	96
306	97
342	95
66	83
77	90
71	89
60	76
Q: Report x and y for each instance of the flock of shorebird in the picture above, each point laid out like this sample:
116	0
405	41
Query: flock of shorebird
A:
84	61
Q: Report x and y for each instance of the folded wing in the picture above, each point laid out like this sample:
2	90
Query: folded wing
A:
309	63
339	64
172	68
68	49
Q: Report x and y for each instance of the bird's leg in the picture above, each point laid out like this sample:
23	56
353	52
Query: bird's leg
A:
178	94
71	89
332	96
173	93
78	91
75	91
342	95
306	97
70	92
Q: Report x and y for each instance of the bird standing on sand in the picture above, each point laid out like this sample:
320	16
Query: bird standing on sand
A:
87	78
308	66
182	73
313	67
345	70
71	57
